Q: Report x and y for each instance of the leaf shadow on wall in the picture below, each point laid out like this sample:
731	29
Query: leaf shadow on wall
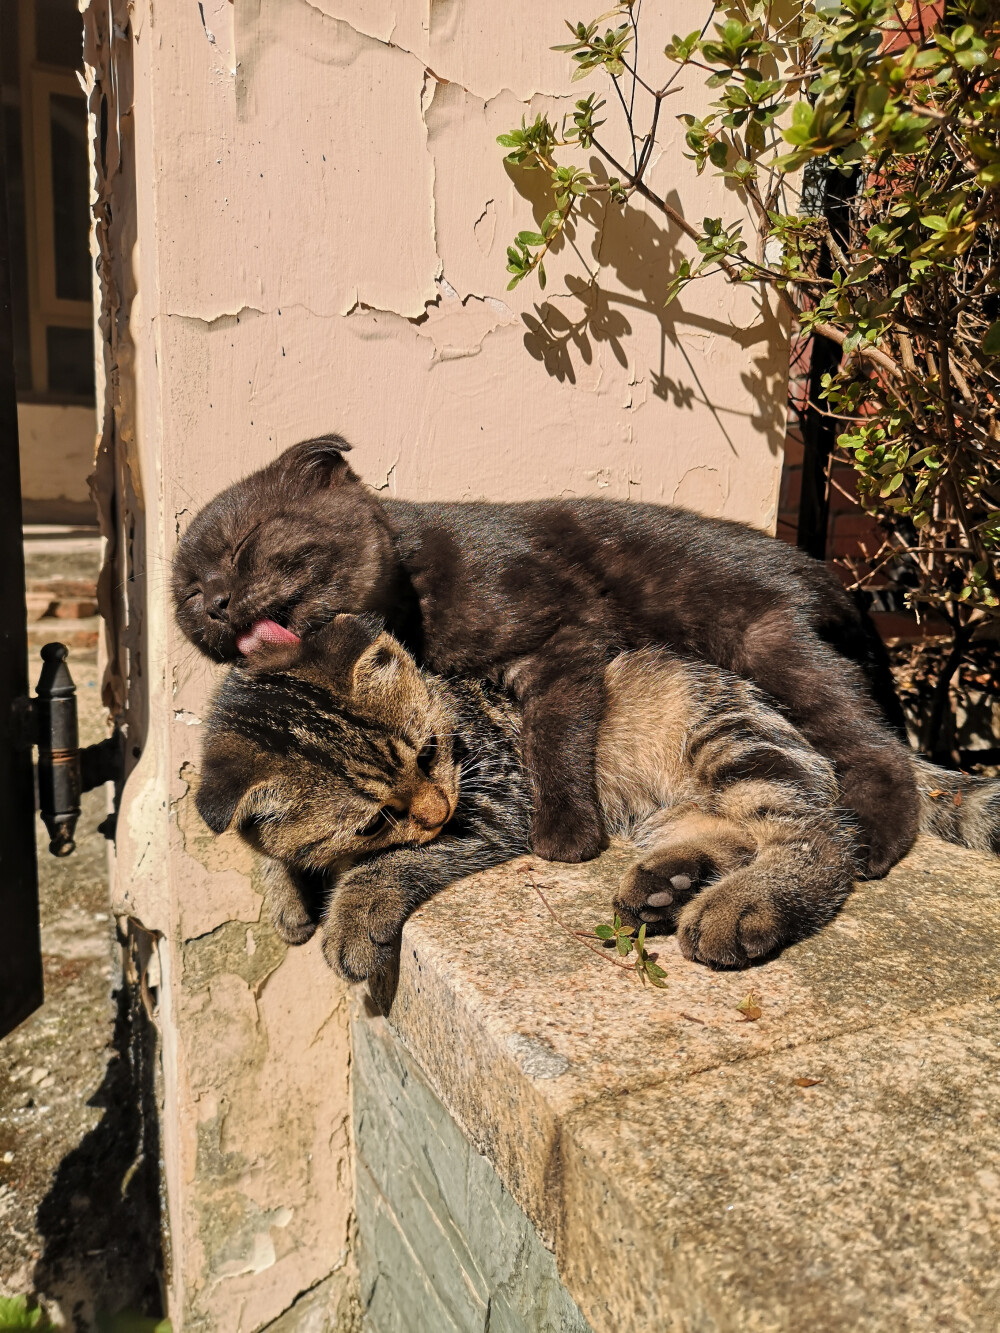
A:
643	253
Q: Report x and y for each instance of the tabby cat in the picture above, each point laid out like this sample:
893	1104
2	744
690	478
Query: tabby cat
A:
541	596
343	763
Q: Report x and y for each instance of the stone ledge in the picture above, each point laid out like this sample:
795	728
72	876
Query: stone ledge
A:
661	1145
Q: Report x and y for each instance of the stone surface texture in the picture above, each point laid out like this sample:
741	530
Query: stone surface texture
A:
443	1246
833	1165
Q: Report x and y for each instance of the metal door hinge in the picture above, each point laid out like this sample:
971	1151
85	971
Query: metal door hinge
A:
49	721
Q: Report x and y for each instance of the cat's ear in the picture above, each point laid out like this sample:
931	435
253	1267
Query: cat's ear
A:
384	663
316	465
227	777
340	643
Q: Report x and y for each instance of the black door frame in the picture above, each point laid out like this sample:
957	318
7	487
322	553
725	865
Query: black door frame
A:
20	942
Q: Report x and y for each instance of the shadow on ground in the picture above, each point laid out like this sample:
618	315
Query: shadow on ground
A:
100	1220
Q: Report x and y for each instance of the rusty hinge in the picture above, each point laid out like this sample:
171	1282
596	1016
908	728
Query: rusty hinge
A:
49	720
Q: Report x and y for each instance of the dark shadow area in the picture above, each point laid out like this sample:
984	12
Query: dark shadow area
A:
101	1219
382	986
643	253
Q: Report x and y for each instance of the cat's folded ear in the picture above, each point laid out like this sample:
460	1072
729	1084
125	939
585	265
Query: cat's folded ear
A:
227	778
339	644
316	465
384	662
356	652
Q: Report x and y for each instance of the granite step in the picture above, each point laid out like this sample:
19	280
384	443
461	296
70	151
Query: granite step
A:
829	1165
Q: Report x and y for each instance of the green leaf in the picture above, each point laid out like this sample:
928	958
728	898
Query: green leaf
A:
530	238
991	343
15	1316
624	945
128	1322
604	932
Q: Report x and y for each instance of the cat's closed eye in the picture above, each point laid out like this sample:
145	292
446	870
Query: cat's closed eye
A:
427	756
385	819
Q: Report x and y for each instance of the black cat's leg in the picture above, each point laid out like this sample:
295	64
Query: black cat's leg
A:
825	697
843	621
561	689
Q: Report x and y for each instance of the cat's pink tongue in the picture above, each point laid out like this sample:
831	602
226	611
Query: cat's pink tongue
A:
261	632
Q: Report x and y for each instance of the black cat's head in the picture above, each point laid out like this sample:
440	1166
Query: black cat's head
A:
277	555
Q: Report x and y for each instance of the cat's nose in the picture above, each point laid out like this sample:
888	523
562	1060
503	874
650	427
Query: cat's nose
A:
216	601
429	807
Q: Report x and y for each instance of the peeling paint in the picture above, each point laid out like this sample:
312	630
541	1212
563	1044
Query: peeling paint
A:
221	319
225	950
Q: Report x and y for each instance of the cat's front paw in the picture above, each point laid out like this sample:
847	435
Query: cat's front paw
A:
291	921
653	892
361	930
293	899
570	834
730	923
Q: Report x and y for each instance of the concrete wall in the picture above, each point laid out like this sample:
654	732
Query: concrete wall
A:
302	217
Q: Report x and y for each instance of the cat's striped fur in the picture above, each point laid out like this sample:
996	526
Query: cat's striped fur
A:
341	762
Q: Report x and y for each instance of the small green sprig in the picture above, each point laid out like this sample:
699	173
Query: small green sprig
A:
626	941
590	51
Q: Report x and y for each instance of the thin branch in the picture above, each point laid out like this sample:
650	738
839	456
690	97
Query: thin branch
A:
580	935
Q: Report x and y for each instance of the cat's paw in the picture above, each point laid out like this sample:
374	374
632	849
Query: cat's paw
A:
361	931
569	834
729	924
654	892
293	899
291	921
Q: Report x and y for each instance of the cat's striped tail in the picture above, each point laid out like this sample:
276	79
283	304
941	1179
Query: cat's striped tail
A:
958	807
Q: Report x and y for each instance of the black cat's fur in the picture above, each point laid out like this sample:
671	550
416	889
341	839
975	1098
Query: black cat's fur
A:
540	595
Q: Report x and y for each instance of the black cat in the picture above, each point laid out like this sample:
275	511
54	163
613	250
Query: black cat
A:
539	596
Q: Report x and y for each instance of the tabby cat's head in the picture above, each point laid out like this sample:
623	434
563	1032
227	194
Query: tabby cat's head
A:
330	748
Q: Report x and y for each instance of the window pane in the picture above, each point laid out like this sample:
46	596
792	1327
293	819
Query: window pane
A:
71	361
58	33
70	196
